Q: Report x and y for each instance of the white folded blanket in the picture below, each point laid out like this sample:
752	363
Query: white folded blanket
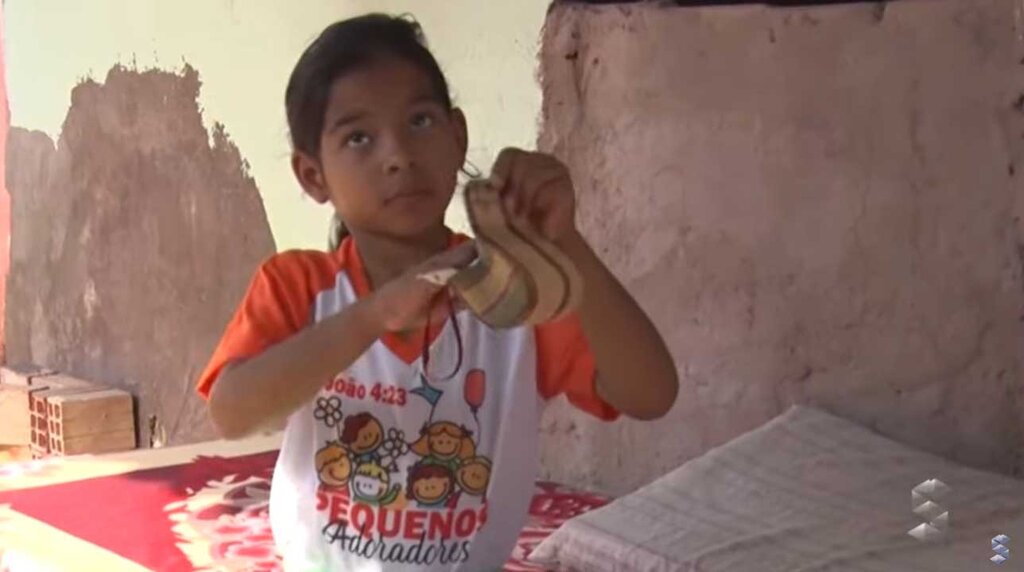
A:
807	491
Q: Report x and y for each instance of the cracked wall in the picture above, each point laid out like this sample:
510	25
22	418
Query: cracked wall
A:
245	52
133	238
816	205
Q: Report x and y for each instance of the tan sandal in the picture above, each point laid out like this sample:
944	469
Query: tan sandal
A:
519	277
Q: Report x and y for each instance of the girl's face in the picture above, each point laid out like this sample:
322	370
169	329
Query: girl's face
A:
390	152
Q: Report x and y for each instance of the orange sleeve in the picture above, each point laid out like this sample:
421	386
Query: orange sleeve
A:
276	306
565	364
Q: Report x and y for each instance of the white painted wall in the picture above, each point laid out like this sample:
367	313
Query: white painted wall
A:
244	52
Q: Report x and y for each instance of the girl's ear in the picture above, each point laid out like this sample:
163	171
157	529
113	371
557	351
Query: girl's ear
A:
310	175
461	133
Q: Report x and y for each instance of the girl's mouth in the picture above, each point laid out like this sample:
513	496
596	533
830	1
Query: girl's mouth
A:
408	196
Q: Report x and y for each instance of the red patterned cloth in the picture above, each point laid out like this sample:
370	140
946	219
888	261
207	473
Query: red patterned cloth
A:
215	510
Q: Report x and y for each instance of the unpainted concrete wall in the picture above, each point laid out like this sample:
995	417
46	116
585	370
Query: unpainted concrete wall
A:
133	239
816	205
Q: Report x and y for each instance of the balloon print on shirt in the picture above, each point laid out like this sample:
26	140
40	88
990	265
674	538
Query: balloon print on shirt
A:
363	490
364	456
449	465
442	447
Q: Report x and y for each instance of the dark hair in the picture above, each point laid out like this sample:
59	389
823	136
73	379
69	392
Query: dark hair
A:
421	471
345	46
353	425
341	48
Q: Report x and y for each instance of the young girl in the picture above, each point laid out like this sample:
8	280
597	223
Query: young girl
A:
352	334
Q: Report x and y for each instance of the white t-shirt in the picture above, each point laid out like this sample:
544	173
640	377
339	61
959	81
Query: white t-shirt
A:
388	468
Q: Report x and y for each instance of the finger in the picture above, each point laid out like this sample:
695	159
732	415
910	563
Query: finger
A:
439	270
438	277
452	258
523	171
554	216
457	257
533	187
507	175
533	174
424	288
502	167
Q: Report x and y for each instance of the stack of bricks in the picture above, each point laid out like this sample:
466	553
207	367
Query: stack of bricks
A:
90	422
56	414
17	427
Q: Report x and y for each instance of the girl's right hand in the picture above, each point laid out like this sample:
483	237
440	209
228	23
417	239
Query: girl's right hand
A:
406	302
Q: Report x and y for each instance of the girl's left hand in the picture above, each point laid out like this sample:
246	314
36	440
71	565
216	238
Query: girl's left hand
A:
537	187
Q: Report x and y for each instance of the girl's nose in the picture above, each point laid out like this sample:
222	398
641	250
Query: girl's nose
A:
397	157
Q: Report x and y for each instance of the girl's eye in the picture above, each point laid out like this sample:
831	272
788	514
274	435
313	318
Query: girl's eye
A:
357	139
422	120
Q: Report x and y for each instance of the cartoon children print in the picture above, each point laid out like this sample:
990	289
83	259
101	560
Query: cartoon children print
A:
430	485
363	435
474	475
442	448
370	484
363	458
434	483
444	443
333	465
449	464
